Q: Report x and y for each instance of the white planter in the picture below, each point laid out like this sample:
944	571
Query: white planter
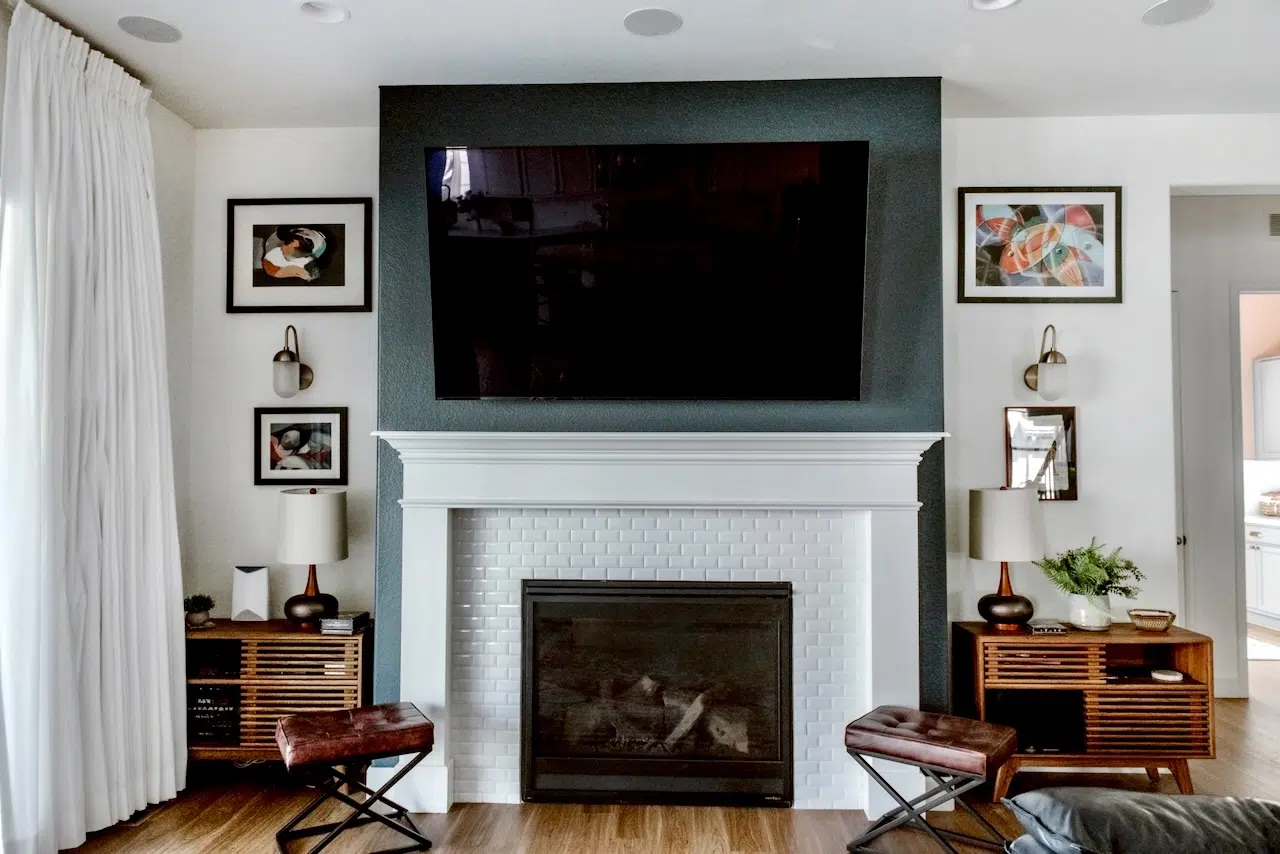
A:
1091	613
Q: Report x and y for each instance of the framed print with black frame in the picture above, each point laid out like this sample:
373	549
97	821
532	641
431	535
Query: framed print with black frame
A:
1040	244
299	255
1040	448
300	446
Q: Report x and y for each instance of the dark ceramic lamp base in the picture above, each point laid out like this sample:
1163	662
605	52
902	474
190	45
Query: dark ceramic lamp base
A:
306	609
1005	611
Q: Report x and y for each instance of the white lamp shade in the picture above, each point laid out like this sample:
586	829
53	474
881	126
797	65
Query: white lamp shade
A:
1052	380
286	378
313	526
1005	525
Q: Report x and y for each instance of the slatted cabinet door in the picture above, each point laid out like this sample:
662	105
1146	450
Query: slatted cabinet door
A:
281	671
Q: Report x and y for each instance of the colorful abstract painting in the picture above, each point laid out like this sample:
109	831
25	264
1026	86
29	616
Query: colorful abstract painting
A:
1039	245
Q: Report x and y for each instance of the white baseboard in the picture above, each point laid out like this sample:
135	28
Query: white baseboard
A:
1267	621
1229	687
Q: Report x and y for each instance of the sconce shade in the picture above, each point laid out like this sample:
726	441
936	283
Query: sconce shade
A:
1052	380
1005	525
286	377
313	526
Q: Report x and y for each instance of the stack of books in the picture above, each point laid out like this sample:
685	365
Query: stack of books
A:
344	623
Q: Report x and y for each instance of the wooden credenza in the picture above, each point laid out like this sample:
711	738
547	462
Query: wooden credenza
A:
242	677
1082	699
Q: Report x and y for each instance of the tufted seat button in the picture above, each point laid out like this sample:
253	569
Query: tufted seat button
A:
946	742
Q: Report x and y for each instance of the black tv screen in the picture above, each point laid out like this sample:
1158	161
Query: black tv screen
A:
696	272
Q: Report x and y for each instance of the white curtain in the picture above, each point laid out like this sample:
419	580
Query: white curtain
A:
92	698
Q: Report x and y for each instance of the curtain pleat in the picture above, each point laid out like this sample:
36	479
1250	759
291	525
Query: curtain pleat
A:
92	696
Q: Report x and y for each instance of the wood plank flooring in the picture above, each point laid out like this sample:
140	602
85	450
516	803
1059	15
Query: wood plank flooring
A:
238	812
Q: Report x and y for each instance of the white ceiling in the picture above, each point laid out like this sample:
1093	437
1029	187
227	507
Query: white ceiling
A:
260	63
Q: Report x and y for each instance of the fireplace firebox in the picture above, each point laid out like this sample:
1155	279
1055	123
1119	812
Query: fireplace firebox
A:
648	692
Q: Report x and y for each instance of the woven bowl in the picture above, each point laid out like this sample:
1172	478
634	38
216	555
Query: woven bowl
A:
1149	620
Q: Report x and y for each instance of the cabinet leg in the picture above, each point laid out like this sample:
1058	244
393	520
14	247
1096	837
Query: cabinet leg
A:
1153	773
1003	778
1182	774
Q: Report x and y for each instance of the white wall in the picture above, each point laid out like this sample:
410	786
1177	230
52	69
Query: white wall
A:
1120	355
232	521
173	142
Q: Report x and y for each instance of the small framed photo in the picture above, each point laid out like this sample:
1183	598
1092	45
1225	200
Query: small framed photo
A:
296	255
1040	448
300	446
1032	244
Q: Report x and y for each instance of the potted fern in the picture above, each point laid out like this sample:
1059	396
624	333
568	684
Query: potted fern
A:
1089	576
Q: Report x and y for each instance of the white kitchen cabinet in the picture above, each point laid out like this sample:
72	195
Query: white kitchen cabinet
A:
1266	408
1252	570
1269	579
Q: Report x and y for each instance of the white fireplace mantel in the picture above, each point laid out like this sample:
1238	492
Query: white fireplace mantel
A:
869	477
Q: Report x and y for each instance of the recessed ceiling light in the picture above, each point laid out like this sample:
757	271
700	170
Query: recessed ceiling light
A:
325	13
990	5
653	22
1175	12
149	29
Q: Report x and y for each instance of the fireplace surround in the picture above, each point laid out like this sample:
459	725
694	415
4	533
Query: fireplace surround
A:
862	485
656	692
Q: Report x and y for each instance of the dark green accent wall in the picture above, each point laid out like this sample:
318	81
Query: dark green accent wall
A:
902	380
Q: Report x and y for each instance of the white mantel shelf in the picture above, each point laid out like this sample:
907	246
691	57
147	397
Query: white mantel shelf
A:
675	470
868	479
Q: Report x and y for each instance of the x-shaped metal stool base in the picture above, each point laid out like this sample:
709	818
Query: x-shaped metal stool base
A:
948	785
362	813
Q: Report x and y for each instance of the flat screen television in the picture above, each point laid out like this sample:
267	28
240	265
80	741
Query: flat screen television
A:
691	272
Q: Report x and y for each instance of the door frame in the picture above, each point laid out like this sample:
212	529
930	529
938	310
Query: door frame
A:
1236	290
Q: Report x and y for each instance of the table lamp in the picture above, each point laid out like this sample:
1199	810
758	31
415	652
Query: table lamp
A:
313	529
1005	525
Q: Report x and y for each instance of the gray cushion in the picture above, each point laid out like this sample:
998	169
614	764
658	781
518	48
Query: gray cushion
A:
1026	844
1112	821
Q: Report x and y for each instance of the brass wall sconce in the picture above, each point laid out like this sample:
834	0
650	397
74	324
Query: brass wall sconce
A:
1048	376
289	375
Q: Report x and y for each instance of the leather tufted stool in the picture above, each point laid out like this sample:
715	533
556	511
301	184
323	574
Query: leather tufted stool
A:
956	754
316	744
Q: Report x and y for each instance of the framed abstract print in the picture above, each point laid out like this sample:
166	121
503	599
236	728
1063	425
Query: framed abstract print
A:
1029	244
1040	448
300	446
299	255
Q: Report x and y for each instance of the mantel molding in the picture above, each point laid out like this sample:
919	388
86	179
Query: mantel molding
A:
661	448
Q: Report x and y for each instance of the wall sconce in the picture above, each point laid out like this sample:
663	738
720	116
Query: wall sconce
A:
1048	376
288	374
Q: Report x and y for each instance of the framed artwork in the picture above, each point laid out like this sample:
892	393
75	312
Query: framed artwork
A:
295	255
300	446
1031	244
1040	448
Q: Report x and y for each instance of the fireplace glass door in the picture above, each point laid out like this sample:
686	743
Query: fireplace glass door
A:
662	693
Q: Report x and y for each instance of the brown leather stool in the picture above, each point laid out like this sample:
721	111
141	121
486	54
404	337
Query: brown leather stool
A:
956	754
317	744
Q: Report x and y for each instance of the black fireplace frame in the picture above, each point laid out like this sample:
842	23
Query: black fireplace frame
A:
658	781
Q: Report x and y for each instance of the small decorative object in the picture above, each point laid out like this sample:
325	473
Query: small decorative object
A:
1089	577
1151	620
1030	244
344	623
1167	675
1269	505
295	255
1048	375
249	594
1040	449
313	529
1004	526
288	374
1043	626
198	608
300	446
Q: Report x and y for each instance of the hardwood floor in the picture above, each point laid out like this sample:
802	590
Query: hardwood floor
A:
238	812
